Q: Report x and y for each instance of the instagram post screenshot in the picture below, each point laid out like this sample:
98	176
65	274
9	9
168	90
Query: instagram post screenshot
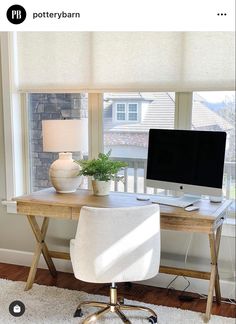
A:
117	162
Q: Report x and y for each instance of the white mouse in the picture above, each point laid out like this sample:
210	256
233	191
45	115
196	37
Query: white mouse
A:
191	208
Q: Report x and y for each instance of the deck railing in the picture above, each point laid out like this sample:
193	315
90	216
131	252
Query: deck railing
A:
134	178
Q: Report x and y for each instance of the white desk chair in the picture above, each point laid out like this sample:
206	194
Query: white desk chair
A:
116	245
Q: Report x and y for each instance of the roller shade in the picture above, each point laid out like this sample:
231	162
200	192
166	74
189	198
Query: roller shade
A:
53	60
135	61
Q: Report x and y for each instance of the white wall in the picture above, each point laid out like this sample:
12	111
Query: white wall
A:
15	232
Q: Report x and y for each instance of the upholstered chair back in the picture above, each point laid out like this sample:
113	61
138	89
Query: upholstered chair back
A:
116	244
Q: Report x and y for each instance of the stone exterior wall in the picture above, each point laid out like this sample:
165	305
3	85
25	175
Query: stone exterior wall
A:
43	107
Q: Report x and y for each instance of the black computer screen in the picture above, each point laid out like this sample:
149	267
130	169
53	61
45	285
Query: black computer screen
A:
186	156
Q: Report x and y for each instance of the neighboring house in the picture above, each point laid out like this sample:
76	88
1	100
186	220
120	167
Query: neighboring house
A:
204	118
128	118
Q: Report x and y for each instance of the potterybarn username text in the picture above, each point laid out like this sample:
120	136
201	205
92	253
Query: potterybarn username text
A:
56	15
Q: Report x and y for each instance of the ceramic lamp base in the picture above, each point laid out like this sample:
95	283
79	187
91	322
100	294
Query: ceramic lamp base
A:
64	174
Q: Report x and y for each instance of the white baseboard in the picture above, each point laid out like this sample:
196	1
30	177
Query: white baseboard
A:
161	280
199	286
25	258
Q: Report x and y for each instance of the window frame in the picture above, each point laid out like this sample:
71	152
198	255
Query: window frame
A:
16	132
118	112
14	138
126	112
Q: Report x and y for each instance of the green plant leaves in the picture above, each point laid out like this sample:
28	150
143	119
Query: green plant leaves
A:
102	168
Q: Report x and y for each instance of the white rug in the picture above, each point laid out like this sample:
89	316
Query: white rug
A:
49	305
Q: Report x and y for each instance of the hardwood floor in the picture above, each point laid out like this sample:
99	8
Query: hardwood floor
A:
147	294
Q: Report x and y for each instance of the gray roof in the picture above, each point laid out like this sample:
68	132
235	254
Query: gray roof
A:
156	115
130	96
203	117
160	113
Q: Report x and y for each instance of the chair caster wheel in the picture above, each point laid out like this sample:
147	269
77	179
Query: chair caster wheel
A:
78	313
152	319
128	285
121	301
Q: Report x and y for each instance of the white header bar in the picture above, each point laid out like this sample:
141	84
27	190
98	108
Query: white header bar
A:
122	15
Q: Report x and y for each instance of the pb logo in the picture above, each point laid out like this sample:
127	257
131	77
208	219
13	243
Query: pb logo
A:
16	14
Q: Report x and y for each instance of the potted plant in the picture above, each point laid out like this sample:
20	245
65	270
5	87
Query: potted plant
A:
103	170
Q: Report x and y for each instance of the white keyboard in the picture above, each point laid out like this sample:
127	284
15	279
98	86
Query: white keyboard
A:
182	202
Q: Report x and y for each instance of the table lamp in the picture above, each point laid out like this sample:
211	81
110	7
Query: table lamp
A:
64	137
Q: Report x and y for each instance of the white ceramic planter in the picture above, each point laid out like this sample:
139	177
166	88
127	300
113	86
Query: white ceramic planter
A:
101	188
64	174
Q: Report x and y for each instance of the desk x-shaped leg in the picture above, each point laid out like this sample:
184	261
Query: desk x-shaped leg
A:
40	247
214	240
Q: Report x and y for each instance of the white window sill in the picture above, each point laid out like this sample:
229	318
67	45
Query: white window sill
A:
10	205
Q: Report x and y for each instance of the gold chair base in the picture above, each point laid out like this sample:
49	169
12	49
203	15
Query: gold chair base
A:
115	307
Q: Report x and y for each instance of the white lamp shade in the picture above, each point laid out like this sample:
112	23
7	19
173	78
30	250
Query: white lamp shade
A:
65	135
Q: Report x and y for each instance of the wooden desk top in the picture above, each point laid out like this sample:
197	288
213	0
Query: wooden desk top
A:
49	203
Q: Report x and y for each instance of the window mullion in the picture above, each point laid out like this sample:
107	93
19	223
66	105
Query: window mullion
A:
25	146
95	108
12	120
7	113
183	110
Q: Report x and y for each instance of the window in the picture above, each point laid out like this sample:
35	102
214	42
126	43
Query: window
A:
216	111
129	140
120	111
49	106
132	111
126	112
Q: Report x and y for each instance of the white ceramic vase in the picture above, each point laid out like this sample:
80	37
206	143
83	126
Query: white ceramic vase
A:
64	174
101	188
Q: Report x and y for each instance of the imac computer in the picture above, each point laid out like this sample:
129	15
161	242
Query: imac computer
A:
187	161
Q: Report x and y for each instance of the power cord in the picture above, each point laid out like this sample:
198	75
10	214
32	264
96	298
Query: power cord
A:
184	297
168	286
188	284
188	298
225	301
181	297
188	247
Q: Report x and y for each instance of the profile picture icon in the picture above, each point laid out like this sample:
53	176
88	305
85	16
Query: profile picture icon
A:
16	14
16	308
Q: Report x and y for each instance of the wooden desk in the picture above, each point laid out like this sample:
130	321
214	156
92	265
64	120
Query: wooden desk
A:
49	204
